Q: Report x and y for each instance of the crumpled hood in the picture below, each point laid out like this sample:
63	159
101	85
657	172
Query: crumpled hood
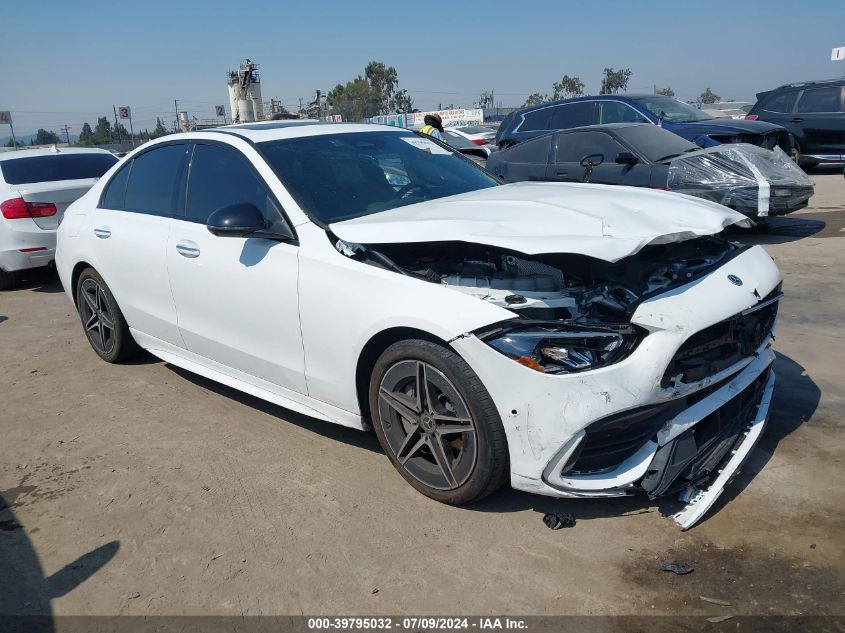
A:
602	221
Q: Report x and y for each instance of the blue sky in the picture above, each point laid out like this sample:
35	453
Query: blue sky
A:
65	62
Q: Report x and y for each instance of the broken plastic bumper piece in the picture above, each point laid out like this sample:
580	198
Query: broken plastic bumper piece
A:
702	500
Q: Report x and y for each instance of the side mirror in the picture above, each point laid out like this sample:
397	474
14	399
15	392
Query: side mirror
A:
627	158
236	220
592	160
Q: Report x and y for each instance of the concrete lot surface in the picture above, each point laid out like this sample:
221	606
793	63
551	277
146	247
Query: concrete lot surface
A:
141	489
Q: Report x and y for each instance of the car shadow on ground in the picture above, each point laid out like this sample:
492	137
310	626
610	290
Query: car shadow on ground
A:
796	399
44	279
337	432
27	590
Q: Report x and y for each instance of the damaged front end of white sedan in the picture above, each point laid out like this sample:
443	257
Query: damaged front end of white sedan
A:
634	353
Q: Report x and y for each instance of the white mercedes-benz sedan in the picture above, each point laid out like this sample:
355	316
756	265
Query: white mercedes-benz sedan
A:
574	340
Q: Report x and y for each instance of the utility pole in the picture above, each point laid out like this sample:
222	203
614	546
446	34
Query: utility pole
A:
67	136
300	106
176	120
116	128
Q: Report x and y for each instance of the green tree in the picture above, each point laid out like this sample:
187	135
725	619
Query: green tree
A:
102	132
10	143
708	96
43	137
86	136
352	100
401	102
383	81
567	88
666	92
376	92
159	129
615	80
535	99
120	131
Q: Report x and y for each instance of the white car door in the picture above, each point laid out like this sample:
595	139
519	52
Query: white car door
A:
131	225
236	297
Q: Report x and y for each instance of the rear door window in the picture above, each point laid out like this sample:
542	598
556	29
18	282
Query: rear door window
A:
533	151
114	194
574	147
821	100
783	102
618	112
575	115
536	120
155	181
21	171
221	176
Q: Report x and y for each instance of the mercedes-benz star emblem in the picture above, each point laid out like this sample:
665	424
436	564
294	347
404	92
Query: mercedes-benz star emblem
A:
736	281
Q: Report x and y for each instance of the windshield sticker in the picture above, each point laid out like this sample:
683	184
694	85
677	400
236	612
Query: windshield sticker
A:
425	145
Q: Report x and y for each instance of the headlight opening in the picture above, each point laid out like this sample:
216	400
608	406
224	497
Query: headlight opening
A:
566	350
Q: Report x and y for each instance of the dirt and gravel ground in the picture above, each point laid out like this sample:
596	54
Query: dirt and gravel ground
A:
141	489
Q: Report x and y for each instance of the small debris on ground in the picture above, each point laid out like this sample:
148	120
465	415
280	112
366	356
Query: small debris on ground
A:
719	618
723	603
374	591
676	568
133	595
558	520
813	546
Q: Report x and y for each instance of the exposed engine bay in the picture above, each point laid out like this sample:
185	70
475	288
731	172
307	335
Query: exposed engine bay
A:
553	286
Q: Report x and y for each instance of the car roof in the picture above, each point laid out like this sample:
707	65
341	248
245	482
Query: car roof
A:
817	82
613	97
277	130
50	151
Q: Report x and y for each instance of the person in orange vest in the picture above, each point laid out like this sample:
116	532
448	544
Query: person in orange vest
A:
433	126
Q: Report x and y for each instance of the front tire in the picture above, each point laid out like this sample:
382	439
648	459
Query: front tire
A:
102	319
437	423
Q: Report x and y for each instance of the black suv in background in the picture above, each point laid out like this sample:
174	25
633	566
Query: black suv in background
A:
813	112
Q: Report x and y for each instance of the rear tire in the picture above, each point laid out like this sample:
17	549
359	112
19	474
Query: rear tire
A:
9	280
102	319
448	442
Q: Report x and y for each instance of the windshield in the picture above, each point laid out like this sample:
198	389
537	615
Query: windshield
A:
335	177
21	171
671	109
655	143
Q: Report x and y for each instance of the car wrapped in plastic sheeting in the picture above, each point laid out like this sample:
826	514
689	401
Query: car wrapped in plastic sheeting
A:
750	179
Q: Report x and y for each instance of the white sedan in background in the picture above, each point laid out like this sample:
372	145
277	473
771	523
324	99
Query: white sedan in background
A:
36	186
573	340
475	134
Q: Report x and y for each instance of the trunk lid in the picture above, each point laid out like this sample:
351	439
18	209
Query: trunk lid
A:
58	192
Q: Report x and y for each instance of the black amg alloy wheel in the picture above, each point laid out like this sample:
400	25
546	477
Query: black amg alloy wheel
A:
437	423
102	319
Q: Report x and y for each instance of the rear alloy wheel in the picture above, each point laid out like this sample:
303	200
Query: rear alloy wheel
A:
102	319
9	280
437	423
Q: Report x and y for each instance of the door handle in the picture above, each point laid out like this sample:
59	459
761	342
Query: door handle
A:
102	232
187	248
797	119
561	172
